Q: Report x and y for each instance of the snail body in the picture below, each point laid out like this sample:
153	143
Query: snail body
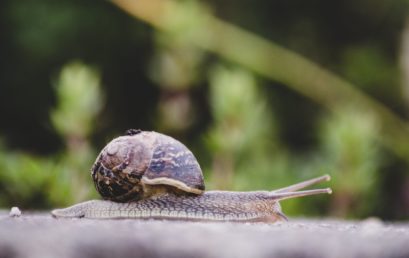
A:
147	175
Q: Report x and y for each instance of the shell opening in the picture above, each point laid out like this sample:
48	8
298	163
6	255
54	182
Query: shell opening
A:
171	182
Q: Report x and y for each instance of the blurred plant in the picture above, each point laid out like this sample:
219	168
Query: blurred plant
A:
243	131
352	154
369	67
29	181
25	180
174	68
349	151
79	101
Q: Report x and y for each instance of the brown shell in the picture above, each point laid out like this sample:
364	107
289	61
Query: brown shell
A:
130	166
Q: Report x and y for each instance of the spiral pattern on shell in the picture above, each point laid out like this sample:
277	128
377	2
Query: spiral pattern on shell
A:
140	164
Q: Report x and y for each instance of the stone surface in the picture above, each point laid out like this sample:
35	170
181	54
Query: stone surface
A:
40	235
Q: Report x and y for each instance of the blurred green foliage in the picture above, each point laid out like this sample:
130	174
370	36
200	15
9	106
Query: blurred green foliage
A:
242	136
38	182
351	152
247	133
79	101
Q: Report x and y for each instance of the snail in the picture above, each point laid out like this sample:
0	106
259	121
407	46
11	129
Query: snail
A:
148	175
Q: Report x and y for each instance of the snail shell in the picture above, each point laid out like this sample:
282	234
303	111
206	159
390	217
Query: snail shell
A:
142	164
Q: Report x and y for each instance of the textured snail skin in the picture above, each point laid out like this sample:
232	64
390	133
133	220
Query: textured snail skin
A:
211	206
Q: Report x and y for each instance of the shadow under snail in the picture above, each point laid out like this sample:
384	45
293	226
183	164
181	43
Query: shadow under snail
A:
148	175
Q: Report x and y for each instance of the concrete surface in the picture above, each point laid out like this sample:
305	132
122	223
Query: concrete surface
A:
40	235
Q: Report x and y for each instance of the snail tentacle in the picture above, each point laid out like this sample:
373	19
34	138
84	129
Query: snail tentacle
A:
304	184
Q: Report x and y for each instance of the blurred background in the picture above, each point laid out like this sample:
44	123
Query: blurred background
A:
265	93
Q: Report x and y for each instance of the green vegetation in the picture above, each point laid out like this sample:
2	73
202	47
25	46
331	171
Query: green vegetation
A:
61	179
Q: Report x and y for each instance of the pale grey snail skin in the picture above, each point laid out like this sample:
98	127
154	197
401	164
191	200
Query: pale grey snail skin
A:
258	206
144	175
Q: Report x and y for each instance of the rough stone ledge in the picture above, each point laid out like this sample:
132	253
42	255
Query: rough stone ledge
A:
40	235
